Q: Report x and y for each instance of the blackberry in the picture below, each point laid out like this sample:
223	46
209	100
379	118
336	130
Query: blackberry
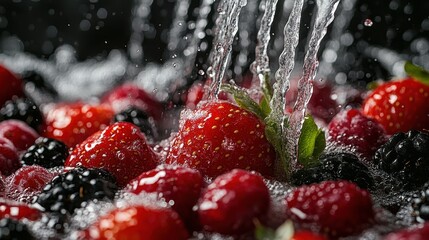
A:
334	166
46	152
420	205
13	229
23	109
405	156
139	118
70	190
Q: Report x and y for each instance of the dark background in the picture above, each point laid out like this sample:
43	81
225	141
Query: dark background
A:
94	27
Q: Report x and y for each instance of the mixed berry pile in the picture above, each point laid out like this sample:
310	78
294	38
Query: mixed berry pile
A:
111	169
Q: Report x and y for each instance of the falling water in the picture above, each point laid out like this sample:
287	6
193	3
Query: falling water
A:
325	15
178	25
339	38
286	65
191	50
226	28
261	64
140	17
247	26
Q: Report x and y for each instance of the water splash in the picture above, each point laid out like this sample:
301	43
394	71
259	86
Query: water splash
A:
286	65
140	15
178	25
261	65
246	29
325	15
191	50
226	28
339	38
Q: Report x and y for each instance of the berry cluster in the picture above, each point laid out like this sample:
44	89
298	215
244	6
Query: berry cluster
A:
109	170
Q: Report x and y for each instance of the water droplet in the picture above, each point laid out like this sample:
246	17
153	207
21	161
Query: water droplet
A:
368	22
201	72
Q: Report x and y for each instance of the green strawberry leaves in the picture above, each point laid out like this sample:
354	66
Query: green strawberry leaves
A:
417	72
311	143
244	100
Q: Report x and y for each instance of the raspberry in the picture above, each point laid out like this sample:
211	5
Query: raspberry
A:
338	208
27	182
350	128
19	133
9	161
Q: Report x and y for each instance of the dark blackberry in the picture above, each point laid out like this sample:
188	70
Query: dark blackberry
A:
23	109
139	118
46	152
335	166
70	190
13	229
405	156
420	205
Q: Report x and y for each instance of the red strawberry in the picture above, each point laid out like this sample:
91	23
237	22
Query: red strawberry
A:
338	208
10	85
179	185
9	160
232	202
127	95
136	223
18	211
19	133
220	137
27	182
399	106
350	128
73	123
420	232
120	149
307	235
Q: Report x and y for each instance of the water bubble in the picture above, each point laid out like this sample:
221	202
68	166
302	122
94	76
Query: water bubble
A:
368	22
201	72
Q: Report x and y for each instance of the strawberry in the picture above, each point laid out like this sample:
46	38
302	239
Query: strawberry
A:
126	95
18	211
10	84
27	182
19	133
9	160
307	235
338	208
350	128
72	123
399	105
420	232
232	202
137	222
179	186
219	137
120	149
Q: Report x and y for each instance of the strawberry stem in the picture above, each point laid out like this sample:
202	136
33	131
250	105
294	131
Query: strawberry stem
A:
417	72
